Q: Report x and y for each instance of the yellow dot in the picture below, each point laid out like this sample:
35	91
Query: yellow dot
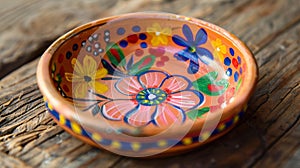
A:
187	141
74	60
205	136
50	106
45	98
62	119
163	95
235	119
146	101
221	127
162	143
75	127
135	146
157	91
116	144
160	98
96	137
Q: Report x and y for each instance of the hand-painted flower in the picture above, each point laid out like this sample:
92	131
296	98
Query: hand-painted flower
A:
159	35
85	75
192	50
219	49
153	97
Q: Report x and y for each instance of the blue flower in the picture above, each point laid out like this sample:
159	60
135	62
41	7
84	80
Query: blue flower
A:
192	51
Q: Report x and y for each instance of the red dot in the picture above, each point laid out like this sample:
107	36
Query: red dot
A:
65	88
139	52
235	62
160	64
132	38
164	58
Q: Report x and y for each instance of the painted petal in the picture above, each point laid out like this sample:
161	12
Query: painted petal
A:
77	67
176	83
188	33
193	67
182	55
168	114
164	40
98	87
116	110
201	37
80	89
223	49
128	86
155	41
186	100
202	52
72	77
180	41
100	73
140	115
89	65
152	79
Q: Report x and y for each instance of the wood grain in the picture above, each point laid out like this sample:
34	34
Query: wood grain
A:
267	137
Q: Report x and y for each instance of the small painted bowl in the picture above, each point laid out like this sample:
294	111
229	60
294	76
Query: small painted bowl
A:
147	84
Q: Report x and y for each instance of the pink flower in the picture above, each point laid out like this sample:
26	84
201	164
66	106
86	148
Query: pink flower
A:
153	97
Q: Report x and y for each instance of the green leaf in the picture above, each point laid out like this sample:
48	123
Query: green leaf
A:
115	55
208	81
238	85
143	65
194	114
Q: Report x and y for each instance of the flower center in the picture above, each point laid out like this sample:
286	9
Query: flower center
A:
151	96
192	49
87	78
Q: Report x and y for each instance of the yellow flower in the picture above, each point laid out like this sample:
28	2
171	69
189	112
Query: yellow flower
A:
85	75
219	49
159	35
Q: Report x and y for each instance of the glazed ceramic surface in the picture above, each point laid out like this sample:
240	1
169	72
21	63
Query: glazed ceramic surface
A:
147	82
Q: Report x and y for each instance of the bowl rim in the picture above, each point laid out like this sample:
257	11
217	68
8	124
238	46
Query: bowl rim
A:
65	108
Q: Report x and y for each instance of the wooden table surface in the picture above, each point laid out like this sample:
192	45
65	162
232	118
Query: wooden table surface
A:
269	135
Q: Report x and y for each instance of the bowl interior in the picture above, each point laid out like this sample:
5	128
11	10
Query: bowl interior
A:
146	71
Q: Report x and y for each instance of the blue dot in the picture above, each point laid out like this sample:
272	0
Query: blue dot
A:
75	47
144	45
143	36
68	54
241	70
121	31
231	51
229	72
123	43
239	59
236	76
227	61
136	28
